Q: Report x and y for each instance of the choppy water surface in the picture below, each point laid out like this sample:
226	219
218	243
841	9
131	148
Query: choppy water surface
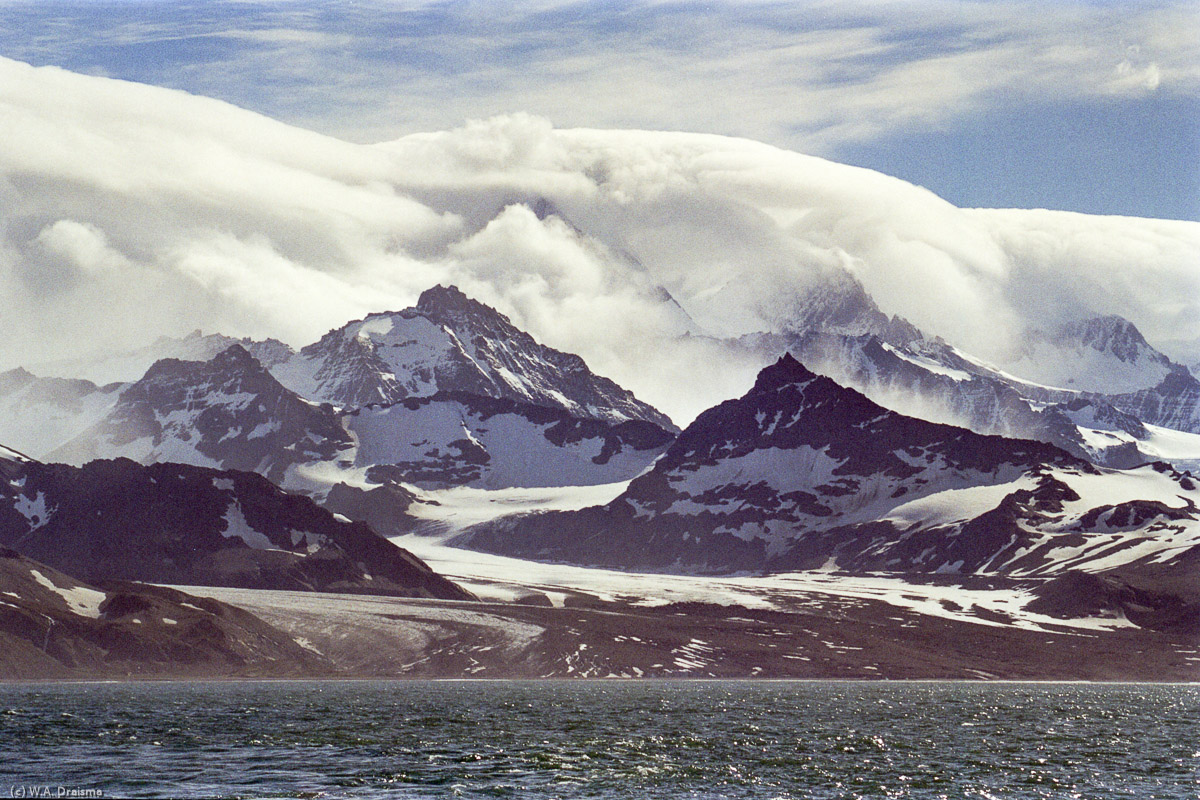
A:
603	740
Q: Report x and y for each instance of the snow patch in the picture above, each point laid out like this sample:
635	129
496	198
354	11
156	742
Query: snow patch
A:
33	510
81	600
460	507
955	505
928	364
237	527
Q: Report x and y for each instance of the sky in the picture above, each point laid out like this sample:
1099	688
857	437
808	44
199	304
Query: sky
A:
1080	106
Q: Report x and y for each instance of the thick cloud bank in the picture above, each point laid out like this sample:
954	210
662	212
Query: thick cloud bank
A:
131	211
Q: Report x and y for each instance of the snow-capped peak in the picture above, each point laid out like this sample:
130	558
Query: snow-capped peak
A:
450	342
1106	355
228	412
1110	334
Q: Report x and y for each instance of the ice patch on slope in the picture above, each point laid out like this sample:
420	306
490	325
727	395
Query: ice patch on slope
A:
460	507
928	364
81	600
782	469
237	527
1112	487
955	505
33	509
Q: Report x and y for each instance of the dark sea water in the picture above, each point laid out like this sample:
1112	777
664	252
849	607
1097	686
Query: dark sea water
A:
719	739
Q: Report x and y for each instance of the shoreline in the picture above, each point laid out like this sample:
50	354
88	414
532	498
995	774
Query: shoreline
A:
9	683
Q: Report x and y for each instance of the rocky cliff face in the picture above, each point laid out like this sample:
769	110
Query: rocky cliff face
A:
1173	403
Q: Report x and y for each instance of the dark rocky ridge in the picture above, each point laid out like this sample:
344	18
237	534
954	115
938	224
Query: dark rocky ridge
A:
863	433
229	411
135	630
179	524
1079	594
705	507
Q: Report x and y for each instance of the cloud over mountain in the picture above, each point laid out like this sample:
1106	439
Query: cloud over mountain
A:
130	211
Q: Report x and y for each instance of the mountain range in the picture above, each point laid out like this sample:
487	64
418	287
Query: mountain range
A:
801	473
221	472
503	412
461	398
869	387
1150	414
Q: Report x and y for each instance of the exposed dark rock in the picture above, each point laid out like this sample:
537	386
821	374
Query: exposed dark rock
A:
228	411
179	524
1080	594
52	625
801	473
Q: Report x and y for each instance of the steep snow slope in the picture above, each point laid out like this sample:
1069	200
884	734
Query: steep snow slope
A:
1104	355
459	439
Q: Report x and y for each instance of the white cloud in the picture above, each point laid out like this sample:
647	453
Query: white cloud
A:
130	212
1066	265
80	245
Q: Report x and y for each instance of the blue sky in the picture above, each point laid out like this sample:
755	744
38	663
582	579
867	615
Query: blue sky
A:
1086	106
